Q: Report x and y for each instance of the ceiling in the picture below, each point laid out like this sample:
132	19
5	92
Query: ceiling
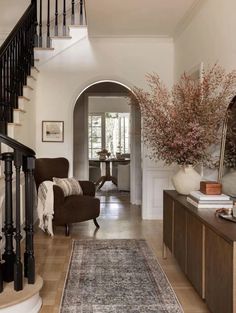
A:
114	18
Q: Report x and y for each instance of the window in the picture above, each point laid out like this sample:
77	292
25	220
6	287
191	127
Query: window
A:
110	131
95	135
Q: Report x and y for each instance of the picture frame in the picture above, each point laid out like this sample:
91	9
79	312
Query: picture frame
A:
52	131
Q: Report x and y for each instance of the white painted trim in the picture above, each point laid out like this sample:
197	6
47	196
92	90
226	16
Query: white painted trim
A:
31	305
135	200
188	17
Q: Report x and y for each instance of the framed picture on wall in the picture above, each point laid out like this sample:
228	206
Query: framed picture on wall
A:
52	131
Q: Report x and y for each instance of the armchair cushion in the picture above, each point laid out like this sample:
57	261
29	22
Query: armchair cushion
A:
70	186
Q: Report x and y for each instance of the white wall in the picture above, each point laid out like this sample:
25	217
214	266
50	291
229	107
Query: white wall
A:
80	153
10	12
209	37
64	77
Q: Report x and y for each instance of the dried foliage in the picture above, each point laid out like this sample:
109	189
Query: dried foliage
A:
230	143
180	125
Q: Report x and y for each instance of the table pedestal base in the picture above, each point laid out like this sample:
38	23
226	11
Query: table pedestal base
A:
103	179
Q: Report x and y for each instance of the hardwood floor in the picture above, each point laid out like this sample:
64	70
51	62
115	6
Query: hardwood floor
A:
118	219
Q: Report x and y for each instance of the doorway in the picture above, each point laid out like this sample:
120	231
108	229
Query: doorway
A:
107	98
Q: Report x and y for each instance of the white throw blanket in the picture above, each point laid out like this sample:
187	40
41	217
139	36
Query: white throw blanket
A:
45	206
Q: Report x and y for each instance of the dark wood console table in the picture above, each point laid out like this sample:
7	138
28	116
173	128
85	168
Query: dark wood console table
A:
204	245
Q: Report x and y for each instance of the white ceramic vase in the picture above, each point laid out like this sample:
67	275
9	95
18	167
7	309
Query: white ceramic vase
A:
186	180
229	183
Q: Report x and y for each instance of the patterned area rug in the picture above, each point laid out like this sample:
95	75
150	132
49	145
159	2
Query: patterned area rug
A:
116	276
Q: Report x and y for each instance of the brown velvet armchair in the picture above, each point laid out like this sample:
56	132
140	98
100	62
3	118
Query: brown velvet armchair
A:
71	209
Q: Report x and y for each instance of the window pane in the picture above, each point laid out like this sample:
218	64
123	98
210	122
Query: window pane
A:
96	145
96	132
111	124
116	133
96	120
94	135
94	153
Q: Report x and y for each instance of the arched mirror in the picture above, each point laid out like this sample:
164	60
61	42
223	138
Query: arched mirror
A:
227	168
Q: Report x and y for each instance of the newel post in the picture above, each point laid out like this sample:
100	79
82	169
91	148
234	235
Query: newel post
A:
29	261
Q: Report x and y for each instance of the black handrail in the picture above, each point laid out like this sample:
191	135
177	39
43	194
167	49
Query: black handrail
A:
14	31
16	60
16	145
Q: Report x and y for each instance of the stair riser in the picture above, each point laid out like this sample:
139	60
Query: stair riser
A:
23	104
11	131
30	82
34	72
60	44
18	117
27	92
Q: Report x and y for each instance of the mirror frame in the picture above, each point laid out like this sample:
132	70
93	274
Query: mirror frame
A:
222	150
223	141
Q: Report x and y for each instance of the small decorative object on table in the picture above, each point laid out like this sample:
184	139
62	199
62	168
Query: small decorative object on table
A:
210	187
234	209
103	154
203	201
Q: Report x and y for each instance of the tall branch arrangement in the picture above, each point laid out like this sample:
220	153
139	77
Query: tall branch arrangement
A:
230	143
180	125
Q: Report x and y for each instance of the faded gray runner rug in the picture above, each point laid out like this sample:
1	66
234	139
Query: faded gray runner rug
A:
116	276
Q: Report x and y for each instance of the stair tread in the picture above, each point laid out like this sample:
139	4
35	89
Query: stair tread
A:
43	49
31	76
35	68
61	37
20	110
77	26
10	297
23	97
29	87
14	124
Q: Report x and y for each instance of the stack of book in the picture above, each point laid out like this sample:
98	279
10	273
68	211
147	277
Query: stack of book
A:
203	201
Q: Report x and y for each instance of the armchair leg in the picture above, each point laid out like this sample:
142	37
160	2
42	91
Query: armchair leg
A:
96	223
67	230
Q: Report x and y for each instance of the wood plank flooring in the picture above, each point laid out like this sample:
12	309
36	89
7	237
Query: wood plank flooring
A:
118	219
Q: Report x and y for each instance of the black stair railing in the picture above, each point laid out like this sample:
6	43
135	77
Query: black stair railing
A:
21	158
17	51
16	59
55	16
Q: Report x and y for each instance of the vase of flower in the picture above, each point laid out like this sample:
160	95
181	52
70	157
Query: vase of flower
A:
186	180
181	125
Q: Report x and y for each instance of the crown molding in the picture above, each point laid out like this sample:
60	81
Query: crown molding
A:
188	17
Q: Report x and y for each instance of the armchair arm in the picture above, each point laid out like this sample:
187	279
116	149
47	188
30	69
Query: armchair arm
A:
88	187
58	196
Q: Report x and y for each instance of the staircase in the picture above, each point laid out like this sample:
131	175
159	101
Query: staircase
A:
41	34
19	285
46	29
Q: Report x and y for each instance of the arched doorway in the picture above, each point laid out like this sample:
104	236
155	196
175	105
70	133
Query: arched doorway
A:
106	90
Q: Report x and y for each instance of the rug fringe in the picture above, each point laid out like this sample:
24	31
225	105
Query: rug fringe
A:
165	276
67	273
